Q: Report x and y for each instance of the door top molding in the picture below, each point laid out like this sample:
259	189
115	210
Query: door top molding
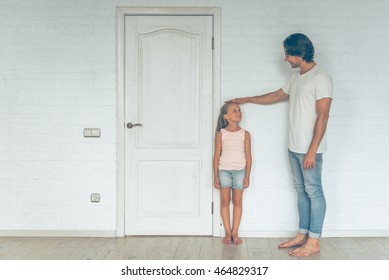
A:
168	11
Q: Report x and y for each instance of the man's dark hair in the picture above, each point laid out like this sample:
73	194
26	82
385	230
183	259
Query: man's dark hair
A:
298	44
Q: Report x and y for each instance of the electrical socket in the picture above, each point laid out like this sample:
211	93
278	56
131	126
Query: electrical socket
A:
95	197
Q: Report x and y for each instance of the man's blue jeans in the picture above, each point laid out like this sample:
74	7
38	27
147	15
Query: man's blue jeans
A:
310	196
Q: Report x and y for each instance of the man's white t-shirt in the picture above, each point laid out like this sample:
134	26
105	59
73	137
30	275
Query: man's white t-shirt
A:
304	90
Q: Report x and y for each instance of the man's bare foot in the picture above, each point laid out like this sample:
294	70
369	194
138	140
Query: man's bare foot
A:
227	239
311	246
298	240
236	239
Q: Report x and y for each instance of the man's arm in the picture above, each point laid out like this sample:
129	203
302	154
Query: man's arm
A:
269	98
323	112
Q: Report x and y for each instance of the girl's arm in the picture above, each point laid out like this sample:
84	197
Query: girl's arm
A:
247	149
216	157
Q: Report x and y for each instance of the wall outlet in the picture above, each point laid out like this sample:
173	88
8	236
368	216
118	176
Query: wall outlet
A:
95	197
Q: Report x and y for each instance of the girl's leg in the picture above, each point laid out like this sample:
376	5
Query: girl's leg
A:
237	202
225	197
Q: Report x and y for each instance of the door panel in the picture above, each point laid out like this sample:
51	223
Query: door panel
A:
168	160
169	126
169	200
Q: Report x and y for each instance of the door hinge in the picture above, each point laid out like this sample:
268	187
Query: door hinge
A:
212	207
213	43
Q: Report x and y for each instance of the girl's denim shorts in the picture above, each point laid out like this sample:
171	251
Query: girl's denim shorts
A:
232	178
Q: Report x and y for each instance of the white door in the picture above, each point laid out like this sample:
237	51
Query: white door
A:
168	90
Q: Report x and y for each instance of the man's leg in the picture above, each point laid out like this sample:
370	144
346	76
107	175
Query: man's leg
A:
303	201
314	190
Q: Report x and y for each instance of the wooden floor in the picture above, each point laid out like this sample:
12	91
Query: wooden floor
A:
182	248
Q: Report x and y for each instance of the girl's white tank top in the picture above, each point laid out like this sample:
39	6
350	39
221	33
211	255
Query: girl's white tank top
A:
232	155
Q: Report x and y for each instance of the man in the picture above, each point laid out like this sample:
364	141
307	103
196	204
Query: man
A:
309	91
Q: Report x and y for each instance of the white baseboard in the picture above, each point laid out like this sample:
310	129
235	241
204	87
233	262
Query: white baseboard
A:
356	233
58	233
243	233
328	233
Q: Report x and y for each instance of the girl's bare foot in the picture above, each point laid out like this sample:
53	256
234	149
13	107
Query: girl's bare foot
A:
236	239
227	239
296	241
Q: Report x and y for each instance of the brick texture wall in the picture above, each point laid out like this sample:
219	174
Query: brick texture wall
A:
58	76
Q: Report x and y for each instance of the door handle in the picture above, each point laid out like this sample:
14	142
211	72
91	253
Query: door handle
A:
131	125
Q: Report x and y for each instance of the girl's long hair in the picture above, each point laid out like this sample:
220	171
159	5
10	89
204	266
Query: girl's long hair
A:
221	121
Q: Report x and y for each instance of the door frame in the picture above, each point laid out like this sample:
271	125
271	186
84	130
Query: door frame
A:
121	13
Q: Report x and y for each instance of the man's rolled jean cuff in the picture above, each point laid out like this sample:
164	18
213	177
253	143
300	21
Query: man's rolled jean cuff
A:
309	233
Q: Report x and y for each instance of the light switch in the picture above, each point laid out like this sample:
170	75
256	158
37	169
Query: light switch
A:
87	132
96	132
92	132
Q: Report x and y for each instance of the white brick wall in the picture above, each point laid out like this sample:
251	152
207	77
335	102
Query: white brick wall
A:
58	75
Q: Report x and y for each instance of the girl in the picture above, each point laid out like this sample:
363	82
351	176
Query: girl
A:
231	166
